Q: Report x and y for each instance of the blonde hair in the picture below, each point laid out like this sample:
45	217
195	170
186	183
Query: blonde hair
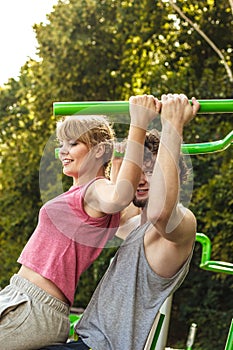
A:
91	130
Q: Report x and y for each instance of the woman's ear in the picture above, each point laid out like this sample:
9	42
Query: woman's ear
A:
100	150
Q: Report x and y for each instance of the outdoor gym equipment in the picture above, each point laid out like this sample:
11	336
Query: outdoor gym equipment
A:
208	147
122	107
229	343
206	262
215	266
206	107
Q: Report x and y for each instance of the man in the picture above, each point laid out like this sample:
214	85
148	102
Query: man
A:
154	259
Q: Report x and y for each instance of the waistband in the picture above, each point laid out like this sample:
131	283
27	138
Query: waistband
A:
35	292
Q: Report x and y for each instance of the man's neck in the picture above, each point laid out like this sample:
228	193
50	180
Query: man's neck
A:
143	216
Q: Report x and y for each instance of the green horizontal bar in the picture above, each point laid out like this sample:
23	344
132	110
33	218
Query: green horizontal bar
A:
122	107
218	266
208	147
90	107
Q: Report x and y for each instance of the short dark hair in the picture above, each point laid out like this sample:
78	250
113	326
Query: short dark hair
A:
152	142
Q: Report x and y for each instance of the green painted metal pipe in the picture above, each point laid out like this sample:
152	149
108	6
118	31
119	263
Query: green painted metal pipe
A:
157	332
229	343
211	265
122	107
208	147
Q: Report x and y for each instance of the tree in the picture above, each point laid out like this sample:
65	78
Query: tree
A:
19	176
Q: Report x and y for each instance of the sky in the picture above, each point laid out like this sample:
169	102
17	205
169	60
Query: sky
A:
17	38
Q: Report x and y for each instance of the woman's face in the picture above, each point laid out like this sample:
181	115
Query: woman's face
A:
73	155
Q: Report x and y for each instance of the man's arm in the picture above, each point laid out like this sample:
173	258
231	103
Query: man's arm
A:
170	241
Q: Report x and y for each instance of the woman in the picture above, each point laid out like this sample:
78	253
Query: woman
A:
73	228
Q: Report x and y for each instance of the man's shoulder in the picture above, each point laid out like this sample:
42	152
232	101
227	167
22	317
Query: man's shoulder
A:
127	227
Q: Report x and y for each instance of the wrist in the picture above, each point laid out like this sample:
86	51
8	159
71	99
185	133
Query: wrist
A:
137	134
134	152
172	127
140	123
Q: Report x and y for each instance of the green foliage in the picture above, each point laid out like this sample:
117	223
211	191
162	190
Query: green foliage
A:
109	50
19	195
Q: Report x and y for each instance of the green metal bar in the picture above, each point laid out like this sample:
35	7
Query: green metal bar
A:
229	343
73	320
218	266
208	147
210	265
122	107
157	332
206	247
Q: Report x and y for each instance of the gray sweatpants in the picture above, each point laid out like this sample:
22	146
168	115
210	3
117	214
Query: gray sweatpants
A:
30	318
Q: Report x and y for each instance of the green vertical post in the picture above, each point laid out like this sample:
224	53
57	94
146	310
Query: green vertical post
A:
157	332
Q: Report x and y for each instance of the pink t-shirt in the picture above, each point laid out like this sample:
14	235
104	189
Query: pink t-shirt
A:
67	240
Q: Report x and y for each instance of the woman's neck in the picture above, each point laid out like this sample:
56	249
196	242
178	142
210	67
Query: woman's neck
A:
85	178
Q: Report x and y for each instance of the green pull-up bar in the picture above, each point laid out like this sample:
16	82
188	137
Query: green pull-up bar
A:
122	107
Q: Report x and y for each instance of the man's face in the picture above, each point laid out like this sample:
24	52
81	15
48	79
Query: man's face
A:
142	193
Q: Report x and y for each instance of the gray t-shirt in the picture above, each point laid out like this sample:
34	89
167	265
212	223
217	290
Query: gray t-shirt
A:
123	307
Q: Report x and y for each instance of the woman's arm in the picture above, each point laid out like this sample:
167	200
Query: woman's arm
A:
108	197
